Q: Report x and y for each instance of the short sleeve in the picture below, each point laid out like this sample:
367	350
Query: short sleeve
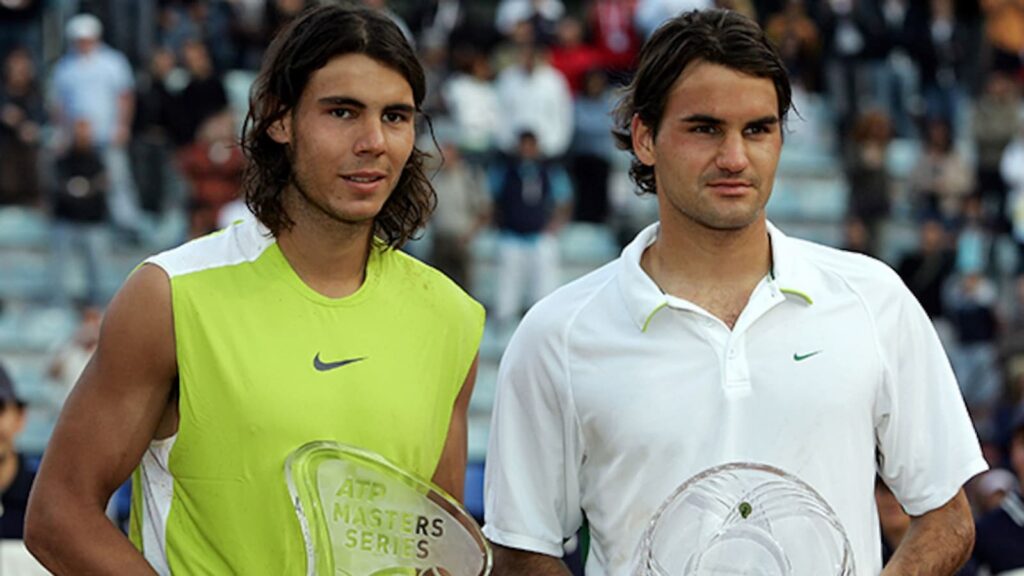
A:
927	444
531	485
124	80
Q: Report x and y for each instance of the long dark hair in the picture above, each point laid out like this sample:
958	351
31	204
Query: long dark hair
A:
304	46
720	37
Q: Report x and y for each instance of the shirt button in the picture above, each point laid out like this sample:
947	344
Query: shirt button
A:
732	353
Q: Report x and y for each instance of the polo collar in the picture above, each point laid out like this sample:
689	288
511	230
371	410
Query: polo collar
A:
790	275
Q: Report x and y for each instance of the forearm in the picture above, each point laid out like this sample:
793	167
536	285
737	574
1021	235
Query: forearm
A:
67	540
125	114
511	562
937	544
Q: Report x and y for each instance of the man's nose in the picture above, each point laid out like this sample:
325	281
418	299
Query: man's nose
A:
371	138
732	154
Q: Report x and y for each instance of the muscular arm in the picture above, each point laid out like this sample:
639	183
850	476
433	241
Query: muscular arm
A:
512	562
938	542
451	470
120	403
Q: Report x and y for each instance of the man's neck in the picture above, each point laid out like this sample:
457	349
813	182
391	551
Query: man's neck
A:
715	269
329	256
698	257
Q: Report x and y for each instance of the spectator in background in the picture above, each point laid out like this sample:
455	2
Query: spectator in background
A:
799	42
854	33
592	148
541	15
204	96
463	209
281	12
382	7
213	166
1011	353
994	124
975	242
79	205
941	178
21	25
248	32
472	101
476	28
651	13
571	56
999	539
970	305
158	119
94	83
205	21
434	22
926	270
611	25
21	115
870	182
1011	168
744	7
856	237
71	358
16	473
532	199
534	96
436	62
1004	31
900	91
931	37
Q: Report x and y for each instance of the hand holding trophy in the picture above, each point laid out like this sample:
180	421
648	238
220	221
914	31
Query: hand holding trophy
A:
363	516
745	519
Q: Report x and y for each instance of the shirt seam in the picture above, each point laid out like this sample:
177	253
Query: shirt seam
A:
570	394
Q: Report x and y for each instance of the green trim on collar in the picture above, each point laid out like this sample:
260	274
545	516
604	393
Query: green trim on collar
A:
797	293
651	316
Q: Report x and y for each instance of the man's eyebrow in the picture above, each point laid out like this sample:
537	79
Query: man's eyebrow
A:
354	103
706	119
702	119
764	121
341	101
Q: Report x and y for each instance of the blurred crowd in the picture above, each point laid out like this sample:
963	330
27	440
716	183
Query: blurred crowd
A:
118	118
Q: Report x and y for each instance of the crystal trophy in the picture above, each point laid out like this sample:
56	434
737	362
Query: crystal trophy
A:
361	515
745	519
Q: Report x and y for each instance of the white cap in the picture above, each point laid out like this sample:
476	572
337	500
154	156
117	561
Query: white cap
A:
83	27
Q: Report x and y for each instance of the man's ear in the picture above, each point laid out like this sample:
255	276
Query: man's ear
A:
281	130
643	140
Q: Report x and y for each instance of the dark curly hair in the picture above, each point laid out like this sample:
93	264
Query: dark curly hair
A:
304	46
720	37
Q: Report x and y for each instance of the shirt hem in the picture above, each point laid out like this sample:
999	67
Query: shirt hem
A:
520	542
975	467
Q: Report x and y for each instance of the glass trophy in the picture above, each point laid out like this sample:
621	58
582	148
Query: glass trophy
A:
745	519
363	516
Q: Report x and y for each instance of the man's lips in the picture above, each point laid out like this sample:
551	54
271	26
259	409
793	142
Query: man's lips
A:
364	177
730	186
366	182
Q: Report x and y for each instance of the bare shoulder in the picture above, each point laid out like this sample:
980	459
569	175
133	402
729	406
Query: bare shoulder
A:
124	394
138	329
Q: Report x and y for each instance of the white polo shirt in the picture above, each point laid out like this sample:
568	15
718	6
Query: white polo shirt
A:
611	394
